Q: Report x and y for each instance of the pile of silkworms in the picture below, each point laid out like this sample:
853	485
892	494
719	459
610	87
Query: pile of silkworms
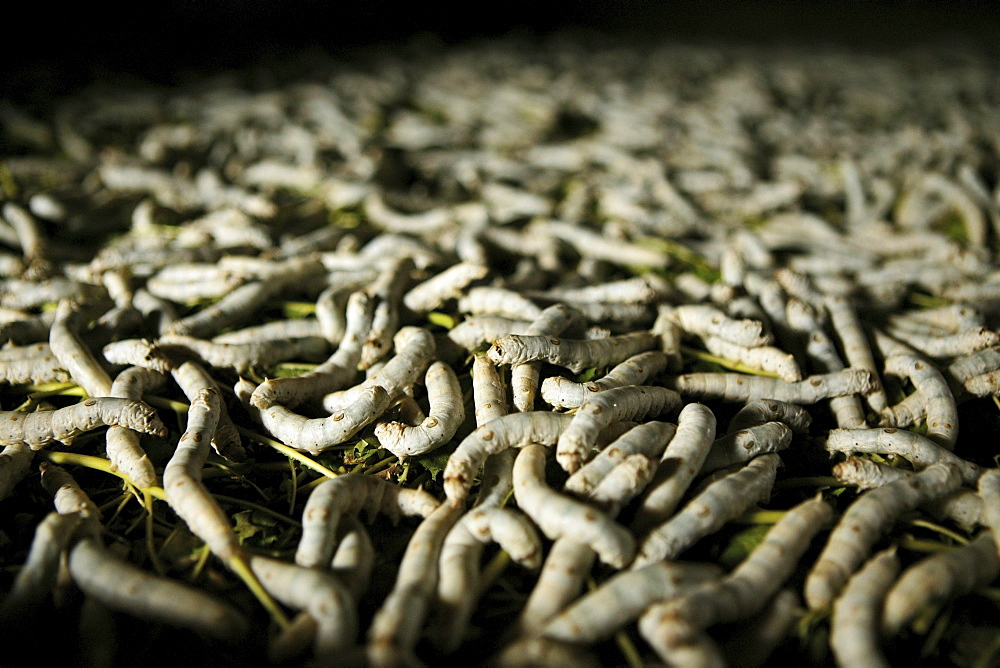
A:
646	354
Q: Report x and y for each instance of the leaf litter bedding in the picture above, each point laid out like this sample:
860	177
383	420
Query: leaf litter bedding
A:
507	352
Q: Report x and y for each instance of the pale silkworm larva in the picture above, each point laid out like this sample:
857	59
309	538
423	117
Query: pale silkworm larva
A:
76	357
966	367
191	378
31	364
854	635
593	245
41	428
479	331
448	284
721	502
414	352
636	290
498	302
964	342
761	411
859	354
243	356
559	516
597	615
911	410
561	392
15	461
989	492
740	388
941	408
510	431
863	524
648	439
984	385
915	448
121	444
349	495
939	578
276	330
680	463
446	415
354	559
524	377
623	483
765	358
137	352
566	567
388	293
741	594
188	282
614	405
573	354
744	445
338	370
705	320
234	309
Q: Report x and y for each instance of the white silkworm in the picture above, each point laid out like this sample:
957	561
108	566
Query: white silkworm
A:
479	331
414	352
720	502
381	216
188	282
15	460
854	636
76	357
349	495
917	449
859	354
443	420
647	439
276	330
387	290
765	358
234	309
22	294
242	356
745	444
226	441
31	364
963	342
669	626
137	352
669	334
561	392
705	320
636	290
566	566
559	516
614	405
437	290
908	412
498	302
969	366
524	377
864	523
762	411
598	247
940	578
941	409
623	483
680	463
121	444
984	385
29	235
740	388
573	354
354	559
989	492
41	428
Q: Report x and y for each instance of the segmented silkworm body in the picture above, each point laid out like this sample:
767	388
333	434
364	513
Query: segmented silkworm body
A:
41	428
951	345
192	378
74	355
737	387
760	412
243	356
15	461
741	594
622	403
941	409
705	320
743	445
137	352
478	331
722	501
561	392
647	439
597	615
865	521
122	445
854	635
348	495
31	364
906	413
765	358
524	377
387	290
448	284
680	463
446	415
969	366
859	353
940	578
573	354
918	450
510	431
623	483
500	302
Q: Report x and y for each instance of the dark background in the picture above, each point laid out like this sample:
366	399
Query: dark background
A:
49	51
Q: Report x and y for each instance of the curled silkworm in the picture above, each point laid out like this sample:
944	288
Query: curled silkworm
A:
560	516
137	352
856	348
939	578
680	463
573	354
705	320
388	293
622	403
854	636
720	502
561	392
761	411
74	355
745	444
740	388
908	412
647	439
243	356
864	523
445	417
41	428
437	290
940	406
348	495
915	448
765	358
192	378
524	377
31	364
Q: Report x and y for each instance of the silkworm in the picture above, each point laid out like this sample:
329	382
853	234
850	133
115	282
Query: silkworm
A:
669	333
31	364
705	320
524	377
647	439
638	290
192	378
276	330
940	578
15	461
448	284
121	444
966	367
864	523
388	292
573	354
41	428
22	294
242	356
189	282
859	354
445	417
669	626
854	636
917	449
765	358
680	463
720	502
623	403
623	483
736	387
759	412
558	515
906	413
29	235
963	342
349	495
76	357
595	246
566	566
989	492
941	409
561	392
232	310
354	558
498	302
744	445
384	218
137	352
